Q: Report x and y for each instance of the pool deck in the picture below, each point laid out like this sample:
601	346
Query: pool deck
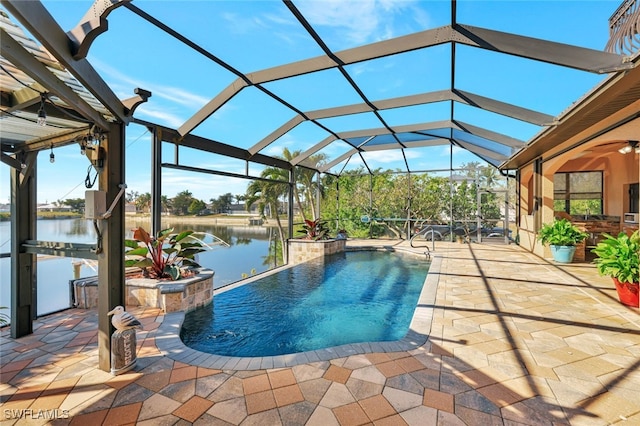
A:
513	339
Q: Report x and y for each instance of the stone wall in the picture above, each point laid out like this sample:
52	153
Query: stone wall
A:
303	250
171	296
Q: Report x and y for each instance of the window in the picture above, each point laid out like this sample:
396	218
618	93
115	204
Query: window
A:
578	192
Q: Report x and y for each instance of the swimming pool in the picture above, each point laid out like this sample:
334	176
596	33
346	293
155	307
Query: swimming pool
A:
360	296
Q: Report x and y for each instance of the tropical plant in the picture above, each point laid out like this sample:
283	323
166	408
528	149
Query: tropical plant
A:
315	229
618	257
561	232
265	194
162	256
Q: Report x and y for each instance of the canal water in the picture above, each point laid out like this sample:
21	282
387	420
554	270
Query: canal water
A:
250	250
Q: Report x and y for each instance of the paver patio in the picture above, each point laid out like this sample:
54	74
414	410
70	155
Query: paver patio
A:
515	340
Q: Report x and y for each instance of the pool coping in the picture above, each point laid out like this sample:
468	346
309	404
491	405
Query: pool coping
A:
170	345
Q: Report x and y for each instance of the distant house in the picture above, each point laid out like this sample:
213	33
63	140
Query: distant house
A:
130	208
240	209
54	208
5	207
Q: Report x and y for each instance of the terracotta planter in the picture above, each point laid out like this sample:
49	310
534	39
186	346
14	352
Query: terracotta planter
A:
627	293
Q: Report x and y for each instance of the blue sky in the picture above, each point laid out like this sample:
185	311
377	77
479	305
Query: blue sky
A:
254	35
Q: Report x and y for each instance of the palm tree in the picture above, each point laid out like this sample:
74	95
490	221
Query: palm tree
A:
143	202
305	177
165	202
266	195
304	181
288	156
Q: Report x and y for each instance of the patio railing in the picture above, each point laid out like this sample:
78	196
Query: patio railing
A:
624	26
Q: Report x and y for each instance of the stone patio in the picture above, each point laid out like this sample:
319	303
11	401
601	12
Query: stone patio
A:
515	340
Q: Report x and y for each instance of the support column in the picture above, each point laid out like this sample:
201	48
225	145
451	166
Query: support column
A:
339	224
370	205
318	196
451	236
537	194
111	259
409	198
23	265
478	208
290	210
156	181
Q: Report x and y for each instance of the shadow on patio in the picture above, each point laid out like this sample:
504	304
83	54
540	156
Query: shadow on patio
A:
514	340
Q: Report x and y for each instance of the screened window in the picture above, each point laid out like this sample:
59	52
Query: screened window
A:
578	192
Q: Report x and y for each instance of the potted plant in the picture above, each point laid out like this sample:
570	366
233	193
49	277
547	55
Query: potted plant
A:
163	256
171	278
315	230
618	258
561	236
315	243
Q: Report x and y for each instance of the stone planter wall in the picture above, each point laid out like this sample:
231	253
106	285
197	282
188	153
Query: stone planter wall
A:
171	296
303	250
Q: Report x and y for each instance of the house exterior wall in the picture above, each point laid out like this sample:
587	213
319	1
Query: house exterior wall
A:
598	154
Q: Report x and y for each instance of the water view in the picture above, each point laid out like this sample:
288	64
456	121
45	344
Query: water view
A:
249	252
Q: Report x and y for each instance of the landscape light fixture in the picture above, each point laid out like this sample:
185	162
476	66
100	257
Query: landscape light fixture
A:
42	114
52	157
631	146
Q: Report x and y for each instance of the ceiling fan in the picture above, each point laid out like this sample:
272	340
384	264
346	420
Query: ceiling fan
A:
623	147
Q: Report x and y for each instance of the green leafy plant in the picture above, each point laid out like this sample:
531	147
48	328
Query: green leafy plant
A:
162	256
315	229
561	233
618	257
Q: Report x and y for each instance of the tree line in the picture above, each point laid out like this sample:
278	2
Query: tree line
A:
363	204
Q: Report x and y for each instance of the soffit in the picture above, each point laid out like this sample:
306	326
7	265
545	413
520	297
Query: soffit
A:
596	107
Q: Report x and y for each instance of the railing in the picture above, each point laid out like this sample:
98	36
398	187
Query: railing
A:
624	26
424	232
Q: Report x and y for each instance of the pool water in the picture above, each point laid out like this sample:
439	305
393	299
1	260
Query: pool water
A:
360	296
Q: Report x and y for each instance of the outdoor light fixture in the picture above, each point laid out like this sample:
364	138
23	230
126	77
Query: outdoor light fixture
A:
42	114
633	145
83	147
52	157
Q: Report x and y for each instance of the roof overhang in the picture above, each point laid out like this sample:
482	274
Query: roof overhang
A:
612	103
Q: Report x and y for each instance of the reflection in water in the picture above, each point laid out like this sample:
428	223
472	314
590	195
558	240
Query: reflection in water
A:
252	248
78	227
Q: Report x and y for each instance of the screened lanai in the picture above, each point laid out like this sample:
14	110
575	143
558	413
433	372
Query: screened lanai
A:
160	99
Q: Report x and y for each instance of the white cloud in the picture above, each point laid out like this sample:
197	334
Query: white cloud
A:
160	116
388	156
362	21
276	148
123	86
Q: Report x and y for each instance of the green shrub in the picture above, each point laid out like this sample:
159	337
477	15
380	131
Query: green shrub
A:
561	233
618	257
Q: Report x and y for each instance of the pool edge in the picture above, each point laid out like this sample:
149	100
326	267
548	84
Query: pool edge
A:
170	345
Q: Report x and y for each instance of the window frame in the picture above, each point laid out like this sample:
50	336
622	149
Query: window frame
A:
567	192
